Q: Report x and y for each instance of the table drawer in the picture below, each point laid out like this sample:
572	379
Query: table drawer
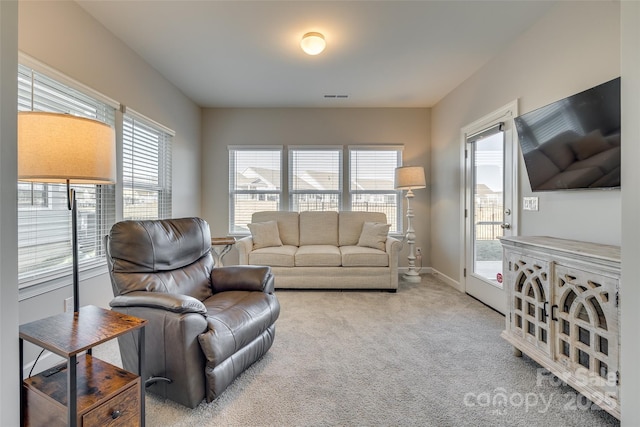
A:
121	410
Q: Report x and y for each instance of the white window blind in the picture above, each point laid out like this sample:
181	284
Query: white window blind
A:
44	221
146	166
315	179
371	182
254	184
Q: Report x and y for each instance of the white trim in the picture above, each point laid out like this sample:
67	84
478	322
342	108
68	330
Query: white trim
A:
448	280
43	286
51	72
505	113
255	147
382	147
315	147
46	361
131	112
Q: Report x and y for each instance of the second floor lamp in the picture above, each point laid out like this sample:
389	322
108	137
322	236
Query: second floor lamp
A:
410	178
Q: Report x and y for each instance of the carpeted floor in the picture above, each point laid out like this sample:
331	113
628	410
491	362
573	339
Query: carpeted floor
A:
425	356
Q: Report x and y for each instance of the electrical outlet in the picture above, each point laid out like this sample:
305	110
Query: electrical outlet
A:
418	251
68	304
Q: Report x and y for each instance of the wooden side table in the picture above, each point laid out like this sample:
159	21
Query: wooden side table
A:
221	246
84	391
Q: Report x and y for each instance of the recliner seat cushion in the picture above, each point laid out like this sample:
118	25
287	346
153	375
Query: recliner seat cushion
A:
235	319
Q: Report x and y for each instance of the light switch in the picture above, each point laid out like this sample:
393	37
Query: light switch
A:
530	203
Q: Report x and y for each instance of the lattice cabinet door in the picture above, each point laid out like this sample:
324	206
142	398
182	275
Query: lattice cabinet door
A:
528	280
586	330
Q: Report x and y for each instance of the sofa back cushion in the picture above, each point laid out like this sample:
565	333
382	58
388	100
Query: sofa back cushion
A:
350	225
287	224
319	228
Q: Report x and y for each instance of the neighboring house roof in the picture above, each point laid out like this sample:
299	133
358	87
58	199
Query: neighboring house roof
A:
269	179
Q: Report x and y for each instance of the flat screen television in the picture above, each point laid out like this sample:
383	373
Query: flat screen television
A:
574	143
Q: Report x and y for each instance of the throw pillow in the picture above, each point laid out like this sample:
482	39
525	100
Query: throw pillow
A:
374	235
265	234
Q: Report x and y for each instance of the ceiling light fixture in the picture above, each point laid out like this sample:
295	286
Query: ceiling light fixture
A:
313	43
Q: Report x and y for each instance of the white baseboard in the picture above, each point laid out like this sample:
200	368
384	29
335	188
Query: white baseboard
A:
423	270
448	280
46	361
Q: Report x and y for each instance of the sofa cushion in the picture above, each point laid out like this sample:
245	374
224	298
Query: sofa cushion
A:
350	225
357	256
374	235
319	228
276	256
318	256
287	224
265	234
589	145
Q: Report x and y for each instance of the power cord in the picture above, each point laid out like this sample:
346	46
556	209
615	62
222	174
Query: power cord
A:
34	363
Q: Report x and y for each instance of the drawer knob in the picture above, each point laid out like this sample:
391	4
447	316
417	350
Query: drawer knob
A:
115	414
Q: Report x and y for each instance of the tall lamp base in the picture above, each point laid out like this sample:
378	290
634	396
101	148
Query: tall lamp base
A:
411	277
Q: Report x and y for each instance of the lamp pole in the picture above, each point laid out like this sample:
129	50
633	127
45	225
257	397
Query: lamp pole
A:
73	207
412	274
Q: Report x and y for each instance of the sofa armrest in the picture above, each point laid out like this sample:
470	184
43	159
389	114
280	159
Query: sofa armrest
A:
393	246
242	278
244	246
176	303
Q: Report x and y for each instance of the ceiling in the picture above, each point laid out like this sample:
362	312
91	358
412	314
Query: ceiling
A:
379	53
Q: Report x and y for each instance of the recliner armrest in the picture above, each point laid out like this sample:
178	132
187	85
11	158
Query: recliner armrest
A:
176	303
242	278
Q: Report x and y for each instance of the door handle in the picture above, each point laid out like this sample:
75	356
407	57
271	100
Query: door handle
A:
505	226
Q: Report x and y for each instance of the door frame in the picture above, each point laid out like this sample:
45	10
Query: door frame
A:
503	114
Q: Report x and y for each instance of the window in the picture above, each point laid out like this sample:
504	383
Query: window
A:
146	165
254	184
44	221
371	182
315	179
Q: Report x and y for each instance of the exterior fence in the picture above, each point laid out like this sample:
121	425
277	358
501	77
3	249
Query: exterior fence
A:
489	216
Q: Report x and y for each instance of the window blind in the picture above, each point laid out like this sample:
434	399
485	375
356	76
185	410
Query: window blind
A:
146	169
44	221
371	182
254	184
315	179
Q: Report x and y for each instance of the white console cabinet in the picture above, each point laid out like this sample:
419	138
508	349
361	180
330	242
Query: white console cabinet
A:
562	301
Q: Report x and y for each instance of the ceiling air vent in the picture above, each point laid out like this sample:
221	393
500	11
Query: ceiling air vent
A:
336	96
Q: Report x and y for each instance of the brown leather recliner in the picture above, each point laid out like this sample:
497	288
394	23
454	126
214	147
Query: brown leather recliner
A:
205	325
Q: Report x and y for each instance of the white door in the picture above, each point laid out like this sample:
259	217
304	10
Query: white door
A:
490	204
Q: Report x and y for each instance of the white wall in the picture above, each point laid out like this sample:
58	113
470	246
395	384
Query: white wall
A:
309	126
63	36
574	47
9	384
630	291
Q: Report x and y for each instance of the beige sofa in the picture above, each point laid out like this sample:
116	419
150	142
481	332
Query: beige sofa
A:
320	250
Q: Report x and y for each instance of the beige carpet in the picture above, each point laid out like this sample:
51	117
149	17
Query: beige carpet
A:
425	356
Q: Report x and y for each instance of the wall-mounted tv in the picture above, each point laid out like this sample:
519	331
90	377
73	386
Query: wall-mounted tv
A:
574	143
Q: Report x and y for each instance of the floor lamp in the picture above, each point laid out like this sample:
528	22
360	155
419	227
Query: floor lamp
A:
61	148
410	178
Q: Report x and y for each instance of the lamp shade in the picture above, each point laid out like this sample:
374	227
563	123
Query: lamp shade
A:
313	43
54	147
410	177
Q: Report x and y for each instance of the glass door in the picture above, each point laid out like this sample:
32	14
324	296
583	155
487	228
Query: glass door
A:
489	193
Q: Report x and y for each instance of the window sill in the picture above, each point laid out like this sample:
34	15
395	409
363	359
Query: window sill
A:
43	286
